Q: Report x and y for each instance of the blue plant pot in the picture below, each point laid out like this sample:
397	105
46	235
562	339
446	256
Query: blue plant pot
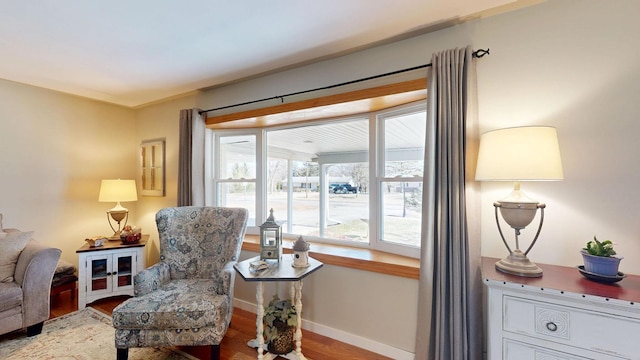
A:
607	266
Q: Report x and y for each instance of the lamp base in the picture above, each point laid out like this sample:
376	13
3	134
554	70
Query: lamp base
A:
117	216
115	236
518	264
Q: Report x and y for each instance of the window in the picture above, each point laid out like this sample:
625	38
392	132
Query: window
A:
319	194
400	180
355	180
235	175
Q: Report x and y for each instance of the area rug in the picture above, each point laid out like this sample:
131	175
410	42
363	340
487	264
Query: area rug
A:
85	334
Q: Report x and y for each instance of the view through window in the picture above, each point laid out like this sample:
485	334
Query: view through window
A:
401	183
355	181
235	174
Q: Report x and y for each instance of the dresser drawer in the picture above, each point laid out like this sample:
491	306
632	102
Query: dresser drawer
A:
515	350
593	330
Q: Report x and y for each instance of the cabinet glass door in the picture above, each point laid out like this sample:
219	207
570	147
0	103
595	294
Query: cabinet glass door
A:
99	274
124	266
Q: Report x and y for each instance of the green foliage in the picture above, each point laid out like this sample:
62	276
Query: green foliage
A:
278	311
600	248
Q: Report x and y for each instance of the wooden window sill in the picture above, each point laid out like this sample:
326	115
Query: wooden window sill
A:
352	257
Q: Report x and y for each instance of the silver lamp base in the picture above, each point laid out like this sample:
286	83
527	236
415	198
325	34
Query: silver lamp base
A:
518	264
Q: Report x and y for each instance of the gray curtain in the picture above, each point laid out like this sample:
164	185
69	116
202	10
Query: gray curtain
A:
449	298
191	158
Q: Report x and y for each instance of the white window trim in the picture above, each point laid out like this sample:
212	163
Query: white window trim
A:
376	164
376	177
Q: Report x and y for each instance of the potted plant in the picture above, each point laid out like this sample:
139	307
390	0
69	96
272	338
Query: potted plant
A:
280	321
600	258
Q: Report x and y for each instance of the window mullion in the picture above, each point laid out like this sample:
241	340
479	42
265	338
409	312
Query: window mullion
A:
376	165
261	177
216	170
289	196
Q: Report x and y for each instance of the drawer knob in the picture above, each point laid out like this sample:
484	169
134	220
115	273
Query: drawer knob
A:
551	326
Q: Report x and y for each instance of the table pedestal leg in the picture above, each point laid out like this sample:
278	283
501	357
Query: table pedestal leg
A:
258	342
260	315
298	336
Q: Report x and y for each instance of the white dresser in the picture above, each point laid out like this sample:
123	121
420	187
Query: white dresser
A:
560	316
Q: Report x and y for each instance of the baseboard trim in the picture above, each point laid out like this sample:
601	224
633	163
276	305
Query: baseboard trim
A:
345	337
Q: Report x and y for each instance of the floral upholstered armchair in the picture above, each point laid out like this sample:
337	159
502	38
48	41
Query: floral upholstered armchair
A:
187	297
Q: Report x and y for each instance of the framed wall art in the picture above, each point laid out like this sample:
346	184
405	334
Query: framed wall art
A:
152	167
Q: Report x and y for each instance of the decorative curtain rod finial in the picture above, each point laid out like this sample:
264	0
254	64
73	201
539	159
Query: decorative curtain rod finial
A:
480	53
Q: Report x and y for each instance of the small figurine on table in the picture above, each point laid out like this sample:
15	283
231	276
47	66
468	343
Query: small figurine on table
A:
300	253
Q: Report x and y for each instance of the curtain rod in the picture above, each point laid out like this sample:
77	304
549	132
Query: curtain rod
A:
476	54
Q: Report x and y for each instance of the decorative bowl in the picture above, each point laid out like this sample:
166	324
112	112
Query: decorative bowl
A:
130	239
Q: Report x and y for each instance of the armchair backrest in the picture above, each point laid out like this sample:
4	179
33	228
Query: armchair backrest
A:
200	242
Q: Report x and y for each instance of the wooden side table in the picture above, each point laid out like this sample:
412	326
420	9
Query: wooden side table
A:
277	271
108	270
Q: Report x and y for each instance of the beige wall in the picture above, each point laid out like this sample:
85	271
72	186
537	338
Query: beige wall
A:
570	64
573	65
160	121
54	150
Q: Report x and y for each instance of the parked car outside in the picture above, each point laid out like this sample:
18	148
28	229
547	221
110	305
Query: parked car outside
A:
344	189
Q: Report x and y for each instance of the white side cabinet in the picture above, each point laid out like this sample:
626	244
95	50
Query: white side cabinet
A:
108	270
560	316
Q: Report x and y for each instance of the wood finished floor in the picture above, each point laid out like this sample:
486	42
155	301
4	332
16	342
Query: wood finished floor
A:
242	329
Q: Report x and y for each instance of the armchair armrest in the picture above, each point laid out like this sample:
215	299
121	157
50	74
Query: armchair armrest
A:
34	271
224	281
224	285
151	278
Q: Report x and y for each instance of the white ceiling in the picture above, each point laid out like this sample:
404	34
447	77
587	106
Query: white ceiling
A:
135	52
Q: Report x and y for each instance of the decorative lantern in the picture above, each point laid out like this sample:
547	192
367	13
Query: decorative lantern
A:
300	253
270	239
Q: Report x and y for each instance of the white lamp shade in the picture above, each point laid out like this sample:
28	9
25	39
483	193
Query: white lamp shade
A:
118	190
527	153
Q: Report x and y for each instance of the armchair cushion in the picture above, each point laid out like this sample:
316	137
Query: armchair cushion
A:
11	245
10	296
180	304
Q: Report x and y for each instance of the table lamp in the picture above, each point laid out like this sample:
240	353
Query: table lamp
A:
529	153
117	191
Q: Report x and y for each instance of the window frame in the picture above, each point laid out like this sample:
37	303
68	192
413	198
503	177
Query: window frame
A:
376	169
213	179
379	176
